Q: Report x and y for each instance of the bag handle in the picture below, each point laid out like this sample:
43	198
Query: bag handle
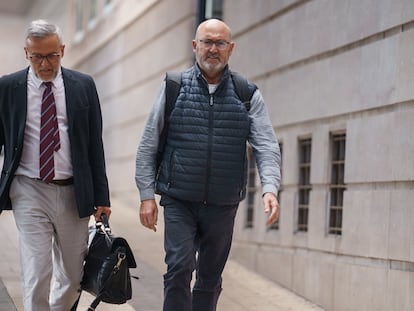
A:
104	222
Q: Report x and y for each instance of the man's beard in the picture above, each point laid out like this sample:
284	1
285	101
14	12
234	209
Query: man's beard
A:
212	68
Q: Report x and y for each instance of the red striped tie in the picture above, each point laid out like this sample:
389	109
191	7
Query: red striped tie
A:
49	135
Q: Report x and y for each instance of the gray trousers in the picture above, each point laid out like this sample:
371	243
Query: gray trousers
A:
197	237
53	243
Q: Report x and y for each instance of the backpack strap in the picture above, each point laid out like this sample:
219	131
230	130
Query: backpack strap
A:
172	90
242	89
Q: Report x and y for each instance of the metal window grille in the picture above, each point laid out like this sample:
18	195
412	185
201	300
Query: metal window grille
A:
337	185
79	15
209	8
304	186
92	9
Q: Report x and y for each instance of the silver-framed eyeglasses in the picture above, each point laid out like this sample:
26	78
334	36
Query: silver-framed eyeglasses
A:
208	44
38	59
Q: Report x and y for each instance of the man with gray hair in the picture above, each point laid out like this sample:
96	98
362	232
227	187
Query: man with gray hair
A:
53	175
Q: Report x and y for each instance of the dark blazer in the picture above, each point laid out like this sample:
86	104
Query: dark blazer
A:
85	136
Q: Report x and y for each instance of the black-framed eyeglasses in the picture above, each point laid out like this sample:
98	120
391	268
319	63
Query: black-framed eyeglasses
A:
220	44
38	59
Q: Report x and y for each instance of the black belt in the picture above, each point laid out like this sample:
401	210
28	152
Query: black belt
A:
61	182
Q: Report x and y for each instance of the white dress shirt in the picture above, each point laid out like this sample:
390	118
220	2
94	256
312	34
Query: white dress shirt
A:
29	162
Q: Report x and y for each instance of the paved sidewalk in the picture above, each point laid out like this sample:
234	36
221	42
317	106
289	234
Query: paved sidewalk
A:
243	290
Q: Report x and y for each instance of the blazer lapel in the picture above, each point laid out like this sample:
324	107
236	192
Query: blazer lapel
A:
20	102
70	94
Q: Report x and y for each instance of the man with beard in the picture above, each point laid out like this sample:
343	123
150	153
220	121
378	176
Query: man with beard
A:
202	175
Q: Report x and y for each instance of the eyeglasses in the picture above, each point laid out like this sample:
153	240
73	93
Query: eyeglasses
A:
220	44
38	59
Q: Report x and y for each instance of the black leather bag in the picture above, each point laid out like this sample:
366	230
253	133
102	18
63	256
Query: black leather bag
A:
106	270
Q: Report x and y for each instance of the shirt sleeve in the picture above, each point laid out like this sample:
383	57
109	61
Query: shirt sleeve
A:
265	145
145	163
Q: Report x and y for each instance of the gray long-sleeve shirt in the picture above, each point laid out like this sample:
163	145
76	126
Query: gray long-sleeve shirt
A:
261	138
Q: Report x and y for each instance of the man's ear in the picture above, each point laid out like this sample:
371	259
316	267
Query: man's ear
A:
232	44
27	53
62	50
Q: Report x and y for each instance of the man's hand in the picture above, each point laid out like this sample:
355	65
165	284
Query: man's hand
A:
102	210
148	214
271	205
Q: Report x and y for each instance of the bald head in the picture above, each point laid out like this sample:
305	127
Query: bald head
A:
213	27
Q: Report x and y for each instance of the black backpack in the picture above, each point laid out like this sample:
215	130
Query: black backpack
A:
172	89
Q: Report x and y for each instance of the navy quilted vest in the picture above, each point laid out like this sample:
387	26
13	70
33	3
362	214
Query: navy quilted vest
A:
204	158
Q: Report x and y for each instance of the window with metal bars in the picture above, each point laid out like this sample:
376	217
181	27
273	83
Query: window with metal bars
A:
304	185
92	9
337	184
209	9
93	14
79	15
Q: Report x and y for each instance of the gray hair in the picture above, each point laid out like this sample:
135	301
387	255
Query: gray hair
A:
41	29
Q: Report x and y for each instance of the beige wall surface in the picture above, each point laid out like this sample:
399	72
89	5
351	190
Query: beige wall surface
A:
323	66
14	26
128	66
328	66
11	53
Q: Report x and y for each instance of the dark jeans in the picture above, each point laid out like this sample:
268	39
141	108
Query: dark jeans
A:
197	237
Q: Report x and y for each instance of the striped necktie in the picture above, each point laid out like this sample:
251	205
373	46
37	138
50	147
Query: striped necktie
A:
49	135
